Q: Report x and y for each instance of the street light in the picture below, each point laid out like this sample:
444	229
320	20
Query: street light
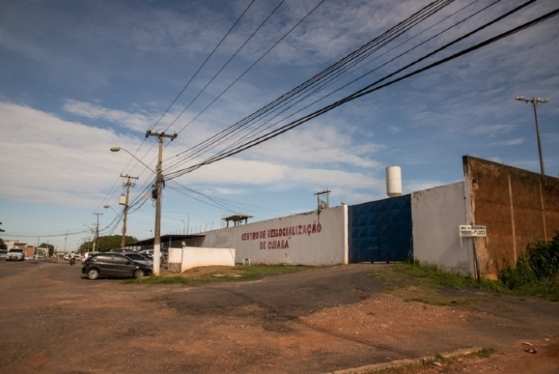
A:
110	207
535	101
118	149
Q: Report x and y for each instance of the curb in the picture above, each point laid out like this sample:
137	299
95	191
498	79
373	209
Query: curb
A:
408	362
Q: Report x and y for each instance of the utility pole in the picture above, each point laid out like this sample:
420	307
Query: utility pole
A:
535	101
127	184
156	194
96	231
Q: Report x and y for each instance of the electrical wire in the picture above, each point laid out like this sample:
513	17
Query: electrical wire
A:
267	125
224	65
178	95
221	203
240	76
376	42
375	85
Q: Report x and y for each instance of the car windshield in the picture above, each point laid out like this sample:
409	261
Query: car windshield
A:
16	250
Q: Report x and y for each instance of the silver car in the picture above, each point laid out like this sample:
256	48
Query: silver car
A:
15	255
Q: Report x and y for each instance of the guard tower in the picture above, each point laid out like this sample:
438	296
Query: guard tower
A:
237	219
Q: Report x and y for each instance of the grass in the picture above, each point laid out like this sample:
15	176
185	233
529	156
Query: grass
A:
444	288
200	276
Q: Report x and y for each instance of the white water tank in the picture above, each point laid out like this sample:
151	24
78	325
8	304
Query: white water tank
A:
393	181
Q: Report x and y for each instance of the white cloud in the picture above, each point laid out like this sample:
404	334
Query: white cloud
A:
138	121
320	143
47	159
509	142
491	130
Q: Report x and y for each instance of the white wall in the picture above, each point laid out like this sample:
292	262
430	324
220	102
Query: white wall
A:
436	214
191	257
302	239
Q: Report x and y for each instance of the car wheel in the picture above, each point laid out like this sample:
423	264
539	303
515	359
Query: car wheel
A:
139	273
93	274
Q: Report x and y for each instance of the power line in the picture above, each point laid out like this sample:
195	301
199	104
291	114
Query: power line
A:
183	89
224	65
266	125
221	203
201	66
203	200
371	45
439	49
240	76
375	87
215	74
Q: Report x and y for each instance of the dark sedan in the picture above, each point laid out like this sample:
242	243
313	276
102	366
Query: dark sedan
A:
115	265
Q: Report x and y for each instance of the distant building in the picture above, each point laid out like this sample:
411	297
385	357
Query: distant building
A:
14	244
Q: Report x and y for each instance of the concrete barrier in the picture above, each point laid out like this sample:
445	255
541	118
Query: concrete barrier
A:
181	259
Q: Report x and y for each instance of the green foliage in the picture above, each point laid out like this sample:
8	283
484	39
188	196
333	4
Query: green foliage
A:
536	272
106	243
2	244
433	276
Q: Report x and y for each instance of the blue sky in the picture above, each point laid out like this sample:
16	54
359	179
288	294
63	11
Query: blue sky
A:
80	77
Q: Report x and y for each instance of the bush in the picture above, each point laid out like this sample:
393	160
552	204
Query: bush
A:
537	271
544	259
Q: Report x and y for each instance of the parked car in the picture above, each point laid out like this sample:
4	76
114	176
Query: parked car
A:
116	265
139	258
88	254
3	254
149	254
15	255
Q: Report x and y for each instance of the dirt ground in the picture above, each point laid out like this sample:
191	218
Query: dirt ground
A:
320	320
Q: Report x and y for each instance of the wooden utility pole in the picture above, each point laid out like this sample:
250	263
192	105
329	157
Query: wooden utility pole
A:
125	205
96	231
157	190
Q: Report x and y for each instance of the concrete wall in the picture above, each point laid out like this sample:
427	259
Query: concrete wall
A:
302	239
518	207
181	259
436	214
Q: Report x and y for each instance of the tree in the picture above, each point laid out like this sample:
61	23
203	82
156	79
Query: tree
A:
106	243
2	244
49	246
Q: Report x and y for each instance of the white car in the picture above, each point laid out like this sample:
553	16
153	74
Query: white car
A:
15	255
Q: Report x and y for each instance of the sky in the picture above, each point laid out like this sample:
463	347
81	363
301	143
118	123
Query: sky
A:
79	77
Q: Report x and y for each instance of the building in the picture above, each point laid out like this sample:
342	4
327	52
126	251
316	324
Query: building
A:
14	244
28	249
477	226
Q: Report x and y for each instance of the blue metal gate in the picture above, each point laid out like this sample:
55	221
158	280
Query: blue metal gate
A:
380	230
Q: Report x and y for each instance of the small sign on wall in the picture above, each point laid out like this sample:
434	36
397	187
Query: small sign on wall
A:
472	231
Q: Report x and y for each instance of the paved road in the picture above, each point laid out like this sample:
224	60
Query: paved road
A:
313	321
